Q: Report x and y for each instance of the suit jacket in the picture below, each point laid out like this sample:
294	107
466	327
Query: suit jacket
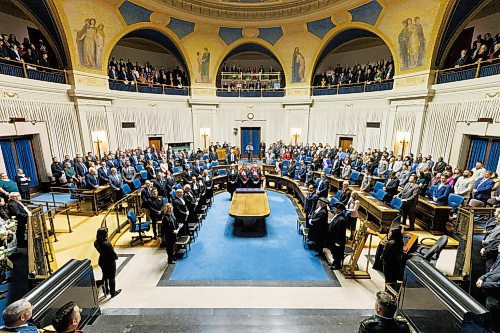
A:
318	225
103	175
128	173
197	170
92	181
302	173
323	187
310	203
116	182
16	209
107	254
441	194
180	210
169	225
145	196
134	160
491	281
230	159
187	175
410	193
155	205
81	169
391	186
57	169
335	171
483	187
335	238
345	196
290	172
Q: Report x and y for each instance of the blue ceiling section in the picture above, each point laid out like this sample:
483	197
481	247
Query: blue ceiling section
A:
133	13
270	35
40	10
367	13
230	35
459	14
321	27
180	27
342	38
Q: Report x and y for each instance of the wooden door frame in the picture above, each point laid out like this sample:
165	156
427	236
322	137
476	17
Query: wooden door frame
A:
160	138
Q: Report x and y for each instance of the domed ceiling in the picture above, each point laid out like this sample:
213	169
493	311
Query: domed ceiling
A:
249	9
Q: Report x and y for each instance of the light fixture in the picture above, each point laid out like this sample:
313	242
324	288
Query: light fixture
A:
205	133
98	137
296	132
403	138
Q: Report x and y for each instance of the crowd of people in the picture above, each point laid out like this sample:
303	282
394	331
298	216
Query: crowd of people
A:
483	48
130	72
32	53
237	78
370	73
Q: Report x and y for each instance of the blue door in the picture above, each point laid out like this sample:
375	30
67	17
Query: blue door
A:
250	135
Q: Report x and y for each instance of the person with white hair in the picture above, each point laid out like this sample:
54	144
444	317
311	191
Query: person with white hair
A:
16	316
92	179
21	212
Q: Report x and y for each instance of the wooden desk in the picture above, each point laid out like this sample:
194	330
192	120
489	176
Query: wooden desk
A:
269	168
292	187
377	212
432	217
98	199
249	207
220	181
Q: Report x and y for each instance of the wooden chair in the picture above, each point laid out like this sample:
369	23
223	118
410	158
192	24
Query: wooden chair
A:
183	245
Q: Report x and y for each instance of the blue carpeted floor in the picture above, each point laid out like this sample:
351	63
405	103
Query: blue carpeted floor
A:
278	256
59	198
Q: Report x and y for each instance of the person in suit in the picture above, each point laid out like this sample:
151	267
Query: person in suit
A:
169	231
310	201
197	169
290	172
336	237
318	225
150	170
384	321
232	180
155	206
243	176
256	176
231	158
16	208
160	183
391	187
392	256
403	175
81	169
352	207
170	184
128	173
323	186
209	185
134	160
23	184
107	261
181	211
309	175
489	283
409	196
92	179
116	183
346	169
302	171
439	166
249	150
57	169
483	187
191	203
336	163
491	240
345	193
103	173
441	192
187	174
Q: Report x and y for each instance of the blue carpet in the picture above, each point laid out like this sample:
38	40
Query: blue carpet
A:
218	255
59	198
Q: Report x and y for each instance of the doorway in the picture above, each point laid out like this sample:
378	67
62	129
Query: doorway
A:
157	142
18	153
250	135
345	142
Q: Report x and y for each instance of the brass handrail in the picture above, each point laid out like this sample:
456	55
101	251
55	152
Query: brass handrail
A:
34	66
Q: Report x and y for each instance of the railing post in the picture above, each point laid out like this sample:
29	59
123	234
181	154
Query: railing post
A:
117	220
478	69
163	89
25	71
136	86
338	88
66	77
67	218
364	86
437	77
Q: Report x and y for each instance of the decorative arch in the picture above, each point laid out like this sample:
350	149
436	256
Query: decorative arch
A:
158	34
341	35
236	47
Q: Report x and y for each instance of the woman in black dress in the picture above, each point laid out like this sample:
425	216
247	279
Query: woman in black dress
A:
107	261
392	256
169	231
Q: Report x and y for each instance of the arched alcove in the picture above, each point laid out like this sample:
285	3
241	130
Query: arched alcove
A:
348	49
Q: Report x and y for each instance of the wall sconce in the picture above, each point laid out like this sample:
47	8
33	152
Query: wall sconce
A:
205	133
98	138
296	132
403	138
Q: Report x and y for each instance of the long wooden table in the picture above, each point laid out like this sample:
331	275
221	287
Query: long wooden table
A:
249	207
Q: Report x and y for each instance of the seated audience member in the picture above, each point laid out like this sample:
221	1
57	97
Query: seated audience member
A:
489	283
495	200
463	59
309	176
67	318
4	212
57	169
7	186
439	166
92	179
441	192
103	173
16	316
403	175
69	173
422	182
482	188
478	171
384	320
383	166
391	187
491	240
302	171
464	185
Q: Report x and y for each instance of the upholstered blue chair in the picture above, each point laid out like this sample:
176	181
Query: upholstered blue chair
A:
380	195
221	172
376	187
143	174
455	201
137	227
327	170
286	163
353	180
136	183
176	169
332	202
139	167
396	203
126	189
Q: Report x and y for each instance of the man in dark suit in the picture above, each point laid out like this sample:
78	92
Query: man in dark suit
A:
323	186
310	201
318	225
391	187
441	192
345	193
483	187
181	211
197	169
335	240
80	168
191	203
103	173
439	166
116	183
160	183
231	158
128	173
463	59
155	205
92	179
384	319
16	208
302	171
57	169
187	174
489	283
290	172
335	171
134	160
409	196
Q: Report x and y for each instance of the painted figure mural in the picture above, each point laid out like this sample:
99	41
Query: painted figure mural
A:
298	66
411	41
203	66
90	41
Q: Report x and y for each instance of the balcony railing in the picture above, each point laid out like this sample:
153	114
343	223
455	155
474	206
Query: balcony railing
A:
160	89
31	71
251	93
353	88
467	72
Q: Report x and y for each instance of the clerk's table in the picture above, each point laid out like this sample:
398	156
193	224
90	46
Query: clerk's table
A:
249	205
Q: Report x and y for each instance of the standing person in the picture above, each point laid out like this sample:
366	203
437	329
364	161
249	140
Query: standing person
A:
256	176
243	176
323	186
209	185
249	150
352	208
107	261
155	205
489	283
169	231
392	255
232	180
409	196
310	201
181	211
116	183
23	184
22	214
318	225
335	240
